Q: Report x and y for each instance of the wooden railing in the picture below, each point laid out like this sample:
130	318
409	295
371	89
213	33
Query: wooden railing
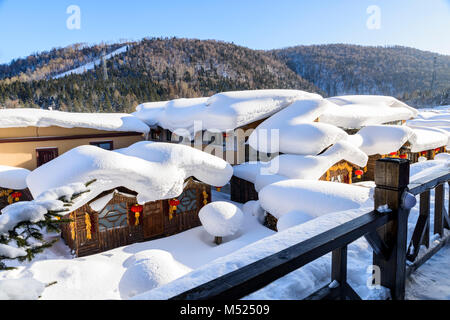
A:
385	231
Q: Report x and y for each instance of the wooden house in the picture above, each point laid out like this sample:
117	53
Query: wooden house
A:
403	142
120	221
30	138
142	192
341	162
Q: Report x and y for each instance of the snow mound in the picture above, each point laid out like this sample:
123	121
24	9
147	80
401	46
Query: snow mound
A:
362	110
195	163
292	219
288	166
151	269
302	138
424	138
297	133
13	178
160	173
21	289
221	219
249	170
382	139
221	112
149	112
20	118
315	198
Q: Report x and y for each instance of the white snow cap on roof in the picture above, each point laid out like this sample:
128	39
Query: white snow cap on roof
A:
160	176
222	112
13	178
149	112
425	138
381	139
288	166
302	138
20	118
315	198
292	130
362	110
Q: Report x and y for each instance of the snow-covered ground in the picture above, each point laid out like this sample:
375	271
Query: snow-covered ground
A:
102	276
432	280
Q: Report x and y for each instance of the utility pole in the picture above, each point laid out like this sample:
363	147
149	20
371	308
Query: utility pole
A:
433	79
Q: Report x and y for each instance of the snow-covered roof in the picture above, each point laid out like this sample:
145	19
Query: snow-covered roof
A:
223	111
354	112
315	198
381	139
20	118
13	178
426	138
288	166
155	171
292	130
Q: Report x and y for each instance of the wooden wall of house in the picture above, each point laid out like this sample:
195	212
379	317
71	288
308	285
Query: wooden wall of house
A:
6	199
242	190
154	222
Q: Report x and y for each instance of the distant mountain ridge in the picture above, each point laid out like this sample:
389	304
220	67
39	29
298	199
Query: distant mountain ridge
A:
107	77
340	69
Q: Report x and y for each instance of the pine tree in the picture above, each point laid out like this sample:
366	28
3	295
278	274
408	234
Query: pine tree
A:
27	235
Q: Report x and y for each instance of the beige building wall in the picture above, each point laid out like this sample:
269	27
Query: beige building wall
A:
23	152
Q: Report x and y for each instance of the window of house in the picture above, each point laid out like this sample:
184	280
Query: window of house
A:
113	216
45	155
107	145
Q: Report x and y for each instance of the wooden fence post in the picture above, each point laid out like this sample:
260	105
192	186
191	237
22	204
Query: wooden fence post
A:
392	179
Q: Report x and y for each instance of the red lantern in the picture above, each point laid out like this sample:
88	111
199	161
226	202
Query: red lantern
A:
404	156
437	149
174	203
137	208
16	194
393	153
359	173
218	189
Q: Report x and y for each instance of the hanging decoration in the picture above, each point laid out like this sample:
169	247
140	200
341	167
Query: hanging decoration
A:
137	210
359	173
16	195
173	204
13	196
205	197
72	225
219	189
87	220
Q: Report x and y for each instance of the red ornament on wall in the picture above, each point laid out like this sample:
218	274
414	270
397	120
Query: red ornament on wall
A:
137	208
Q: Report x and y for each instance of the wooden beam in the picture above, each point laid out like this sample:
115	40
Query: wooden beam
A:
439	210
339	269
392	179
378	245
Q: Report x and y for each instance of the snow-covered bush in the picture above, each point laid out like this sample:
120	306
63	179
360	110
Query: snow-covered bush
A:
291	219
21	223
221	219
150	269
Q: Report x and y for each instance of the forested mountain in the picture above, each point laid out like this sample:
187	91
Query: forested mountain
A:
413	75
160	69
150	70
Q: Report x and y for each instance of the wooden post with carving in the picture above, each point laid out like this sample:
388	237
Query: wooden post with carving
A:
392	179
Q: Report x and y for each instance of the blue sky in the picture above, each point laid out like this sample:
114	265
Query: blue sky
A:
33	26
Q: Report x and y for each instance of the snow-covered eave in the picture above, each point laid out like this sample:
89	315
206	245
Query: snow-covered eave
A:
114	122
